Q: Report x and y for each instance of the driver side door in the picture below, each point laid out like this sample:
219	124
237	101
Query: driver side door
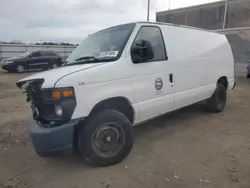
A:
152	83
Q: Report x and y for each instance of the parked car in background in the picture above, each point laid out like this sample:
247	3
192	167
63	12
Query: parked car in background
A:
32	60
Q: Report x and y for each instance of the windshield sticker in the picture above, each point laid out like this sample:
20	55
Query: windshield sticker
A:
109	54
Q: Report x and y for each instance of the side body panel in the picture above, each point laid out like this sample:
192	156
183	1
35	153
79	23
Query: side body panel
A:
198	58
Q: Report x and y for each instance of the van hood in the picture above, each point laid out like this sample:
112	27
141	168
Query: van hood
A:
50	77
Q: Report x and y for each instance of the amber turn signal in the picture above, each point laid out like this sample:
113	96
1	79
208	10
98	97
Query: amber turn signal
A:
55	94
67	93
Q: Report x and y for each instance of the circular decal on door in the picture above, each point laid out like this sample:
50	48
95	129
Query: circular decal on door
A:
158	84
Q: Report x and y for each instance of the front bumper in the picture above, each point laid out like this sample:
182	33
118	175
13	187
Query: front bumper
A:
52	141
7	67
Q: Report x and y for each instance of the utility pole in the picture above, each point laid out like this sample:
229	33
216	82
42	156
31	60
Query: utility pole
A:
169	4
148	10
225	15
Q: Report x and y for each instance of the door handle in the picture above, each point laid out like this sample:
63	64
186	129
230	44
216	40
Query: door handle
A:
171	78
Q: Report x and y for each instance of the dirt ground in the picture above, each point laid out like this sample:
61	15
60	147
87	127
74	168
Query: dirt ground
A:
188	148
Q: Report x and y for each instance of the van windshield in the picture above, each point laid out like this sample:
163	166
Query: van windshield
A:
105	45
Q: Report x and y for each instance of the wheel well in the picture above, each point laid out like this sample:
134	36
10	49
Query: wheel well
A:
120	104
223	80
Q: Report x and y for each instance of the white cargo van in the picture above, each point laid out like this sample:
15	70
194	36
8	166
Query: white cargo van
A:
120	77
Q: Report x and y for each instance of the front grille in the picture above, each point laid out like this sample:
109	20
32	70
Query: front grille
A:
34	96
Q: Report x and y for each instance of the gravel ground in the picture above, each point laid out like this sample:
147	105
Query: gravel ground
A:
187	148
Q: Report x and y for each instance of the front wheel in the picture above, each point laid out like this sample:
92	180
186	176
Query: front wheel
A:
20	68
218	100
106	138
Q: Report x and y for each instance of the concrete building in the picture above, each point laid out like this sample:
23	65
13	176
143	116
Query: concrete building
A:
211	16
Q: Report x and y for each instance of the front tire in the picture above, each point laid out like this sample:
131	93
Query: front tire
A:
106	139
19	68
218	100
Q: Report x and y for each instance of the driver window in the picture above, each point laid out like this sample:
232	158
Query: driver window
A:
154	36
36	54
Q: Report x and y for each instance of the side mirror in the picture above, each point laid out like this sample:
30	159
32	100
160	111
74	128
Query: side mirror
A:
142	51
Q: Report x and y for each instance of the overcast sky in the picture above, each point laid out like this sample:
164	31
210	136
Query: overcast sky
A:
72	20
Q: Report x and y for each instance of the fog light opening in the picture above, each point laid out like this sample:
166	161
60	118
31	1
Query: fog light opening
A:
58	110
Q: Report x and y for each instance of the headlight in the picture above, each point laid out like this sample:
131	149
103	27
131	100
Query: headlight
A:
58	110
56	94
9	62
57	104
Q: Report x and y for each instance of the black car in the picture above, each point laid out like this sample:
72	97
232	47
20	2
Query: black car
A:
32	60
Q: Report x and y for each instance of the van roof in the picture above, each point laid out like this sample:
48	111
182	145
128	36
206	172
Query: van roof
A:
176	25
163	23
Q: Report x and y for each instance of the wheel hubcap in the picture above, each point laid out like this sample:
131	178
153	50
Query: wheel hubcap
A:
20	68
54	66
108	140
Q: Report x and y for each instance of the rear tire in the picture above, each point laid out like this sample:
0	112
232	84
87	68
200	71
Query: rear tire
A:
106	139
248	76
218	100
54	66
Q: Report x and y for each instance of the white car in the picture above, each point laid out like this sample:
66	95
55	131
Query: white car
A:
120	77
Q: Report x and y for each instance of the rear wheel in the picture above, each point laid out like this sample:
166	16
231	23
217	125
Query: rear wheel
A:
20	68
218	100
106	138
248	75
54	66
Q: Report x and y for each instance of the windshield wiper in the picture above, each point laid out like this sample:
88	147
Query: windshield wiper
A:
85	60
88	57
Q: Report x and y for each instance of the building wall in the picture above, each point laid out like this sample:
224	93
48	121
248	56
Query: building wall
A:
210	16
240	44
